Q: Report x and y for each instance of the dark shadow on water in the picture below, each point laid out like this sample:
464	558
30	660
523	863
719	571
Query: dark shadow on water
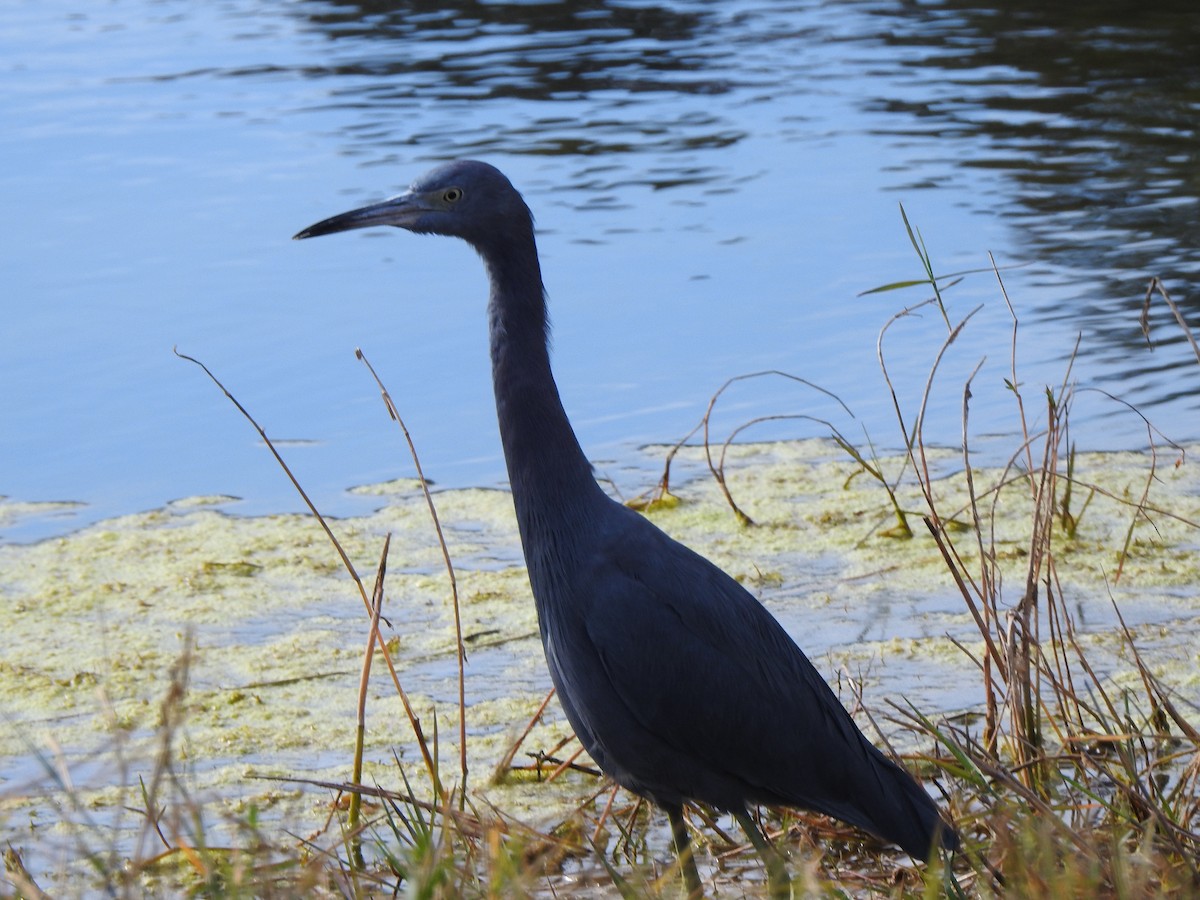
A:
1090	113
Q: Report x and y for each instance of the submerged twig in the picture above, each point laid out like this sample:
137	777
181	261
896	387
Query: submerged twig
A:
506	761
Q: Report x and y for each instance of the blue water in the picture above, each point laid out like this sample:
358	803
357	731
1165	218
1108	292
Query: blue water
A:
714	185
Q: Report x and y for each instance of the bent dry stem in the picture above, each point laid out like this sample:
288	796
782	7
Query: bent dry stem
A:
412	716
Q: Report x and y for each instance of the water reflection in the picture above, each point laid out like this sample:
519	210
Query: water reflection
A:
389	60
536	51
1091	112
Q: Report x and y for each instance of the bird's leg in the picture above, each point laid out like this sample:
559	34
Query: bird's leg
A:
779	881
683	850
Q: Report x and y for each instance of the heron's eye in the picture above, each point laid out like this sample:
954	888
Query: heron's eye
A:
452	195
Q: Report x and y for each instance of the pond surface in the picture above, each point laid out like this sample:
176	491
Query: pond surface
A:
714	186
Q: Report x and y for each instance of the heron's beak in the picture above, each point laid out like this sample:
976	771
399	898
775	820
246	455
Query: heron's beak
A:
402	211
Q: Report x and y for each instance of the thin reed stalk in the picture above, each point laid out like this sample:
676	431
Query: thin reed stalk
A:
413	719
460	646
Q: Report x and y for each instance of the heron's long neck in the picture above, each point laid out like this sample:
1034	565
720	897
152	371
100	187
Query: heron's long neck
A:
551	479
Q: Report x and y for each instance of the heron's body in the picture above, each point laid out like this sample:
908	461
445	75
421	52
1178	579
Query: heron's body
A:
678	682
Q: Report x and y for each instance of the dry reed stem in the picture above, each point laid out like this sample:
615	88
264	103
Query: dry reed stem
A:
361	723
413	718
1156	286
569	763
458	635
20	878
1029	666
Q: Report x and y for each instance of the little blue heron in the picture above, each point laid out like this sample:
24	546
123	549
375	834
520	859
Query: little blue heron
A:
678	682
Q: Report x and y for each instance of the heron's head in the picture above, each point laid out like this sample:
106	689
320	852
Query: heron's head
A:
467	199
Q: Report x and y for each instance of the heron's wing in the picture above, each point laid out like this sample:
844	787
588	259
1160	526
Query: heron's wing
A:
705	677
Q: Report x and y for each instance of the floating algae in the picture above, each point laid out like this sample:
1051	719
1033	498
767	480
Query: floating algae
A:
93	623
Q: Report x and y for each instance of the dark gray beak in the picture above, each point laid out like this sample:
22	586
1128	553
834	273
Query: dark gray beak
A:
400	211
